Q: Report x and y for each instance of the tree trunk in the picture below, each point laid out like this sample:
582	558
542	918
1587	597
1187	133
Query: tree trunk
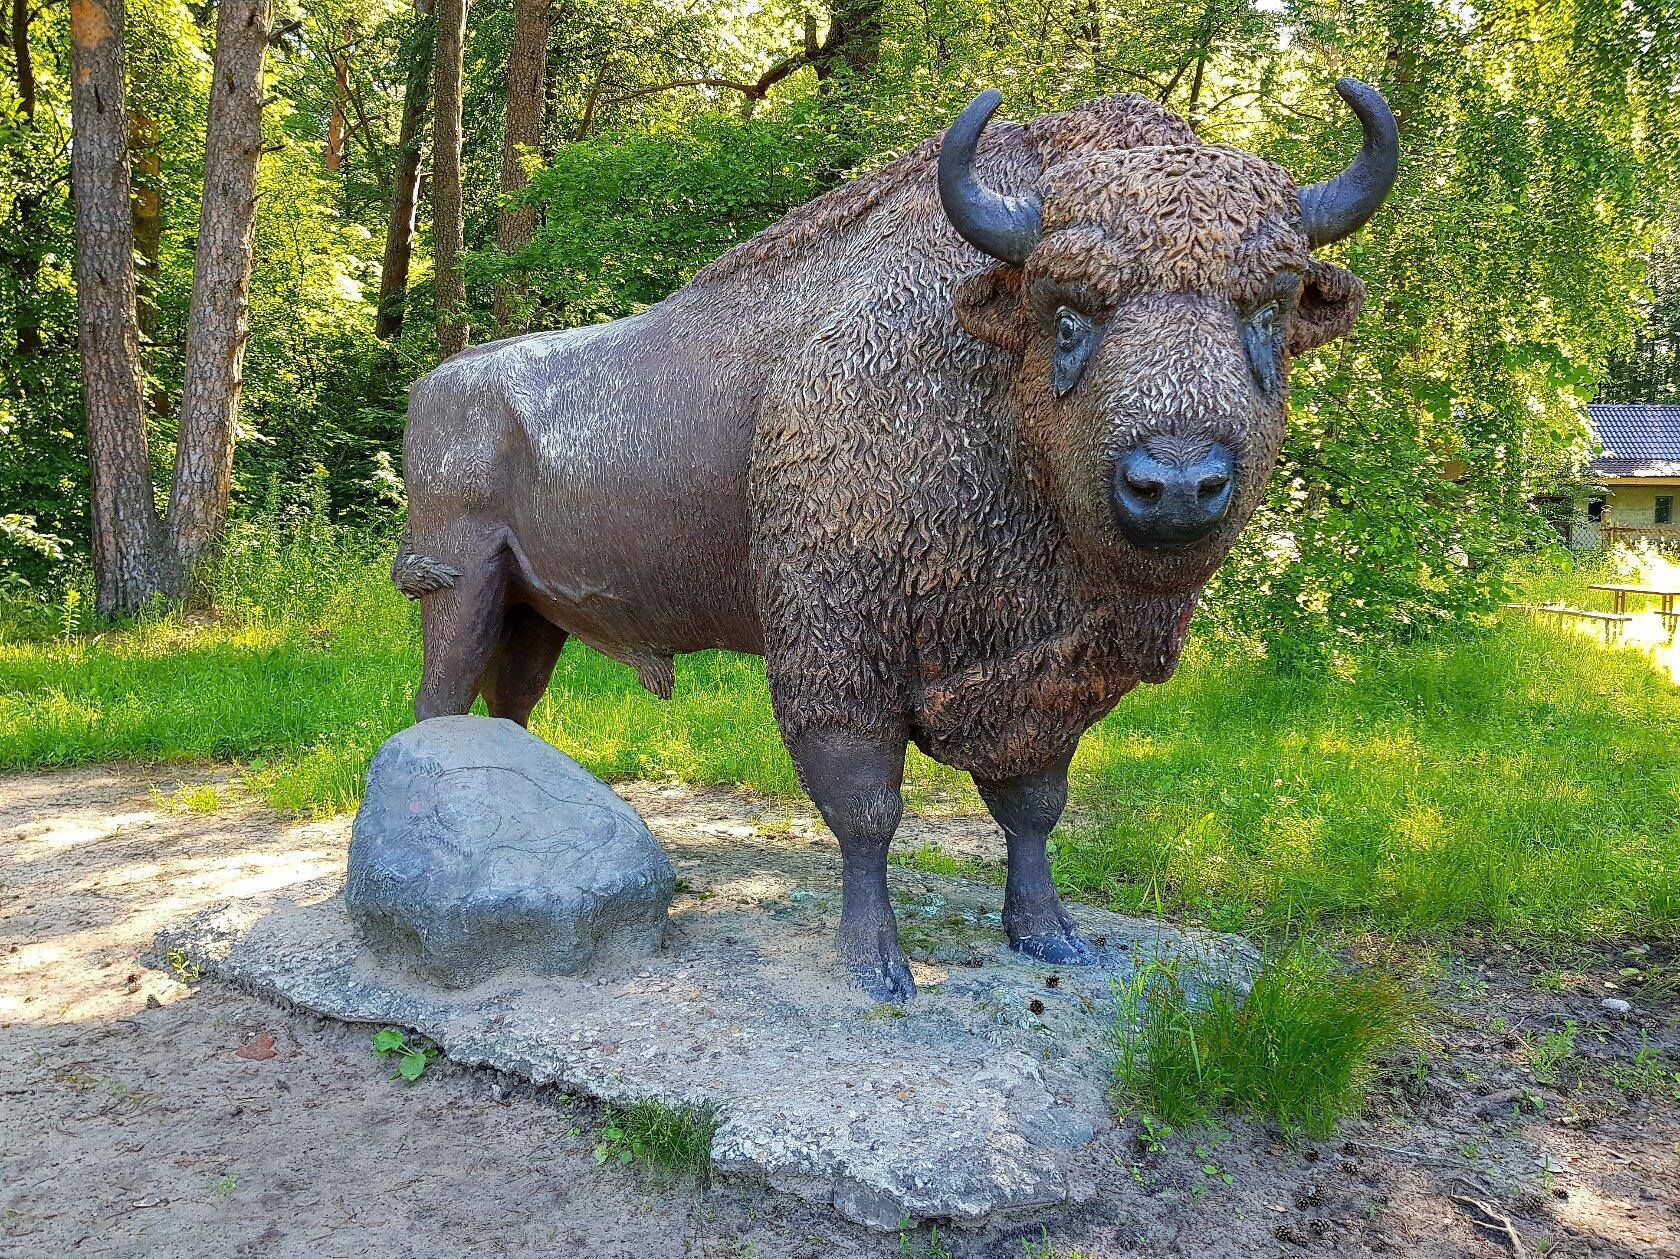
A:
521	137
853	40
335	122
130	562
26	261
216	321
447	226
405	184
147	160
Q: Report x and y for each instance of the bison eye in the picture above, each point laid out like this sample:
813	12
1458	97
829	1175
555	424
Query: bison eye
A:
1076	337
1262	339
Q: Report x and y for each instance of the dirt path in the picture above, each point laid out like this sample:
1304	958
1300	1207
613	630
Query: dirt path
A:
130	1124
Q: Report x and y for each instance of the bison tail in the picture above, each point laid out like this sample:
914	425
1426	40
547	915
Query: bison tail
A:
654	673
416	575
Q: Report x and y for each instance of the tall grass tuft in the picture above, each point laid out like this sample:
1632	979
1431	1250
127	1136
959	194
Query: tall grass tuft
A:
673	1138
1300	1050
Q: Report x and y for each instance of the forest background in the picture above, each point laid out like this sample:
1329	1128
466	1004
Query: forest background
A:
1525	261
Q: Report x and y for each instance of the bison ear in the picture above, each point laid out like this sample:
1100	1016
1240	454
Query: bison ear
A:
989	306
1330	302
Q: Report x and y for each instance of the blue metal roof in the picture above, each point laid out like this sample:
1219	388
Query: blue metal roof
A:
1638	440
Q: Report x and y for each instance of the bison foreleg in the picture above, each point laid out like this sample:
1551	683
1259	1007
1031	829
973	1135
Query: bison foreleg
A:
1027	808
854	781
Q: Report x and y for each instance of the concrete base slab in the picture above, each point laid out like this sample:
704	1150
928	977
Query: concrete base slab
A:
962	1106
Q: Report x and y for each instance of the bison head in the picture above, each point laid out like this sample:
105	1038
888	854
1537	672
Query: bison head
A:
1155	296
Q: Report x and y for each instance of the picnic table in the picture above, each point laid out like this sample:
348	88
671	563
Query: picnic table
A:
1611	622
1657	592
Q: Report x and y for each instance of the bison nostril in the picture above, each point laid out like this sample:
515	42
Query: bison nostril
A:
1211	486
1146	489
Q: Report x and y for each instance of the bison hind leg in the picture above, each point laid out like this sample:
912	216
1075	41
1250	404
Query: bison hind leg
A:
461	620
522	664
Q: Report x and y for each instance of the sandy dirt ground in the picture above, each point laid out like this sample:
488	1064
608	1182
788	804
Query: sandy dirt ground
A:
143	1115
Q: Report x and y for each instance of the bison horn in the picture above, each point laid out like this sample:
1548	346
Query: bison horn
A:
1339	207
1007	228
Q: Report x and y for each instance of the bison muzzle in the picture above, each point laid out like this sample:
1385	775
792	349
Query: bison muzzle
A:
954	446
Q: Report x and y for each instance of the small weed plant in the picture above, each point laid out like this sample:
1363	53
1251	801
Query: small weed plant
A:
938	1247
198	798
413	1056
1300	1050
185	971
1646	1074
1548	1056
1041	1247
674	1138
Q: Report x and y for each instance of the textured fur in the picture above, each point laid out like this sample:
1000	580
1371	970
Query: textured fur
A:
416	575
837	444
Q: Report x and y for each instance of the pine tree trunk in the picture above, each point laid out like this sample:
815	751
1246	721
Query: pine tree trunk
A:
446	181
130	561
147	162
217	318
405	187
26	261
521	136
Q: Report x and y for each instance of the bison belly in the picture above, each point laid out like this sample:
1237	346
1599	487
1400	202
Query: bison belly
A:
614	461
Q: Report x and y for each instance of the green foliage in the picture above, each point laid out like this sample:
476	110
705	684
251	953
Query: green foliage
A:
1649	369
413	1056
324	400
674	1138
1300	1049
628	220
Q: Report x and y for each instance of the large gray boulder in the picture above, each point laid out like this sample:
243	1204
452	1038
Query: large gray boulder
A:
480	848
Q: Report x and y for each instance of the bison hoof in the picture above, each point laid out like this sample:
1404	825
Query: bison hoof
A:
887	979
1059	948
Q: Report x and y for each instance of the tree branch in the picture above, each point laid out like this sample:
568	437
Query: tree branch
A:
753	92
363	132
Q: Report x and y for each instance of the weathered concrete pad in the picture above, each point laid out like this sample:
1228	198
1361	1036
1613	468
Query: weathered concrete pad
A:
963	1106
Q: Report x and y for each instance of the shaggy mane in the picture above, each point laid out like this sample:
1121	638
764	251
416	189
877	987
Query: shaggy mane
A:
1123	121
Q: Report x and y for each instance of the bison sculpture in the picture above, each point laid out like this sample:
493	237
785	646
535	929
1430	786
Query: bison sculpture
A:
955	446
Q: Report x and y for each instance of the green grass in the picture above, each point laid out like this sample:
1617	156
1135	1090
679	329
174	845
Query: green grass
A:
674	1138
1300	1050
1523	779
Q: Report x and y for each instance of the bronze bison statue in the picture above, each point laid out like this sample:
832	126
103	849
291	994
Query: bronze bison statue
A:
954	446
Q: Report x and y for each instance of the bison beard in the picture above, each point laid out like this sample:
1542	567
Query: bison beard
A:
955	454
